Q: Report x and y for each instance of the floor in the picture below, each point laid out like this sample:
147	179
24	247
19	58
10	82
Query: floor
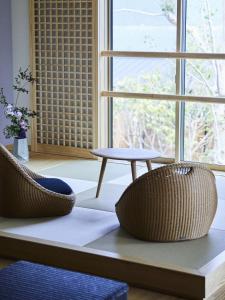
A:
189	255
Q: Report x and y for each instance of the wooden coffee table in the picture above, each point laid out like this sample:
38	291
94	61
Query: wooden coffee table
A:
128	154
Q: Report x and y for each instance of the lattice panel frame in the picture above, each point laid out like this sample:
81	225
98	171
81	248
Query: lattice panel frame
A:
64	64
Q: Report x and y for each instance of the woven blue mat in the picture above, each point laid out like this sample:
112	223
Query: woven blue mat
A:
28	281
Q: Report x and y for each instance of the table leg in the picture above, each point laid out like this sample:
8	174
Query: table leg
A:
149	165
133	169
104	161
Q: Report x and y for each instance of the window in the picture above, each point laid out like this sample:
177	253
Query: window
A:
144	25
166	56
144	124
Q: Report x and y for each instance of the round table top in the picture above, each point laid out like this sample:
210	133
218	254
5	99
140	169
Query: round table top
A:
126	153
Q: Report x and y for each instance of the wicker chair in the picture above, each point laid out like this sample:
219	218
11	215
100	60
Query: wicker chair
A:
22	197
172	203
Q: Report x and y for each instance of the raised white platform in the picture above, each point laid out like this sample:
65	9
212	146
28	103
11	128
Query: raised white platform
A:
90	240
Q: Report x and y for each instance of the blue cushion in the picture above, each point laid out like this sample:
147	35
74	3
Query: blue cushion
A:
55	185
29	281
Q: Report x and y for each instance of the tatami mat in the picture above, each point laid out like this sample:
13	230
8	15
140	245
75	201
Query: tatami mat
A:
190	254
78	228
127	179
108	197
88	170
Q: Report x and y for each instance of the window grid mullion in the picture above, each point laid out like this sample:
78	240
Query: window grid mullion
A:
178	82
183	77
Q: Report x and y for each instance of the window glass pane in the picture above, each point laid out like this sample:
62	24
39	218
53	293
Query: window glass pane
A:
204	133
146	124
144	75
144	25
205	25
205	78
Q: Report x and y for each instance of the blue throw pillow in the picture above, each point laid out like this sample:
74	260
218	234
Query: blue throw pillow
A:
56	185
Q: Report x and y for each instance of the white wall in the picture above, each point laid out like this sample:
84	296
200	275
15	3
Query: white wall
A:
5	62
20	38
21	42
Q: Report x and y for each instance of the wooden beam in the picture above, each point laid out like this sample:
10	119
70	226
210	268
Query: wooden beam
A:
65	150
164	97
174	55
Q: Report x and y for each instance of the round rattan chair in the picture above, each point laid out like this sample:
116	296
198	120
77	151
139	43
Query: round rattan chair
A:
172	203
22	197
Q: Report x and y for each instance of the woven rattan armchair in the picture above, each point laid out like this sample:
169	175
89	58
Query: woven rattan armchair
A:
171	203
22	197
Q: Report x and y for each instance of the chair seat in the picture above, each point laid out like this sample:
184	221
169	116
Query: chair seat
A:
55	185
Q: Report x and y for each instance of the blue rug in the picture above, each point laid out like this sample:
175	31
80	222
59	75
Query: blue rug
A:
29	281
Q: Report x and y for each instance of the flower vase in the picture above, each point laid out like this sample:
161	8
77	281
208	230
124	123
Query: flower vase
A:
20	149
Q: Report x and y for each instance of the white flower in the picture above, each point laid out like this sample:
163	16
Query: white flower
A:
18	114
9	113
9	110
9	107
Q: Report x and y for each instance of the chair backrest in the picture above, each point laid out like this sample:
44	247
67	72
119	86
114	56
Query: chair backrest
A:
7	158
10	159
8	155
173	202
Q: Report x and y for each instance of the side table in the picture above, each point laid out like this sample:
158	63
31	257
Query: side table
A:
129	154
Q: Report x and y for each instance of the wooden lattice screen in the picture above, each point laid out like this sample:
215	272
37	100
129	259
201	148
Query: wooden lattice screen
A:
64	64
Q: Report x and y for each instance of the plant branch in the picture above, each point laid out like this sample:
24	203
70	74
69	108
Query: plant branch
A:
202	77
